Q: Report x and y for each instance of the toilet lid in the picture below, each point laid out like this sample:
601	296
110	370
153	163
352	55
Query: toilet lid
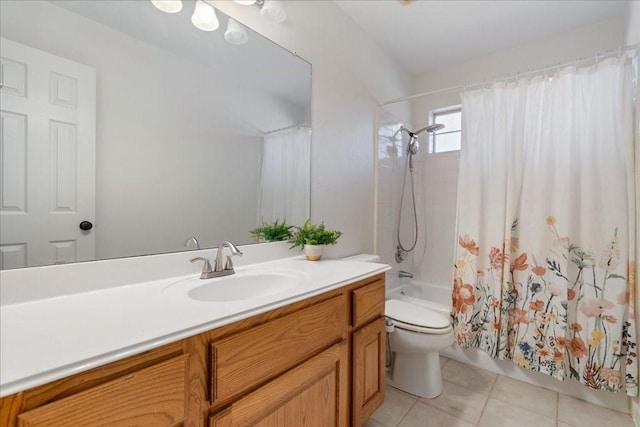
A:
416	315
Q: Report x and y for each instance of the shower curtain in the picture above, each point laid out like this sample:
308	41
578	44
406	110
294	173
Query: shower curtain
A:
285	178
545	257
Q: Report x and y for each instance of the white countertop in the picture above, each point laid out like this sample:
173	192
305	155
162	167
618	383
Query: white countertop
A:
48	339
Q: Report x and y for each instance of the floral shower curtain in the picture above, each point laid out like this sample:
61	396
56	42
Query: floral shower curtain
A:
544	266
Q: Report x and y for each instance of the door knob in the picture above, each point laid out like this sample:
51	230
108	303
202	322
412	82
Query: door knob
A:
86	226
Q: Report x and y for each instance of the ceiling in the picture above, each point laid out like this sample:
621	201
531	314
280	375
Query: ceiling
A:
427	34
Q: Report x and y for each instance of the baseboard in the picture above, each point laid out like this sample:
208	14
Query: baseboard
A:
635	411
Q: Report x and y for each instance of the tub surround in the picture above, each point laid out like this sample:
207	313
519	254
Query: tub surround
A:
78	331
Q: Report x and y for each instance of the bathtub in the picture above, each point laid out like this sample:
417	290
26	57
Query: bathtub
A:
438	297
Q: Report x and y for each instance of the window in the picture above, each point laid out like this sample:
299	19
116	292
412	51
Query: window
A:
450	137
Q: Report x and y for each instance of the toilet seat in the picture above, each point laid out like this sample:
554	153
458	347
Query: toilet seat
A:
412	317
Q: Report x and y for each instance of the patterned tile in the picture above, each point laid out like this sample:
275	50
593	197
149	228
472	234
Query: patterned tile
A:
526	396
500	414
422	415
396	405
459	401
579	413
373	423
443	360
476	379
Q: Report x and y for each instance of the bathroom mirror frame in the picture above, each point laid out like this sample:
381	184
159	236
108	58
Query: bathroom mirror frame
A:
147	214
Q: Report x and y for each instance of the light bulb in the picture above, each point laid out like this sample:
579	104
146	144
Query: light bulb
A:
245	2
235	33
204	17
169	6
274	10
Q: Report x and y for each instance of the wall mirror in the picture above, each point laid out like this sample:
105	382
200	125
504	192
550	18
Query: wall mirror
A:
127	130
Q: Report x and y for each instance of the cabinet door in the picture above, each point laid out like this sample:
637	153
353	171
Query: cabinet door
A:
368	370
310	395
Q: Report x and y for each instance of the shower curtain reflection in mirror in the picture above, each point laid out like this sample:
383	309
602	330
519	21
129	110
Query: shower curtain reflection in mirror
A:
285	177
545	259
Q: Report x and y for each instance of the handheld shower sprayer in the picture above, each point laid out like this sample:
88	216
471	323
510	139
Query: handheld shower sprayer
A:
412	148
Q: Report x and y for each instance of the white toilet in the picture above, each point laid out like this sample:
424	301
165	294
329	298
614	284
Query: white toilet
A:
416	336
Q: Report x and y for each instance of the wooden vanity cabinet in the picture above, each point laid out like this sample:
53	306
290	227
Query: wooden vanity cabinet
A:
317	362
249	358
146	389
150	396
368	344
311	394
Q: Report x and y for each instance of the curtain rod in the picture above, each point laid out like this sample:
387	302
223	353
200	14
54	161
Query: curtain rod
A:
595	58
299	125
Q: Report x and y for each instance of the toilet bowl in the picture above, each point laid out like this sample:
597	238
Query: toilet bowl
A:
416	336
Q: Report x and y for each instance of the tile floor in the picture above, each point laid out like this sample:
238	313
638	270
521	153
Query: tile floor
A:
475	397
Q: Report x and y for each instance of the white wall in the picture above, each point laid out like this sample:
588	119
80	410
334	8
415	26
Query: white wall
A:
633	23
350	75
437	174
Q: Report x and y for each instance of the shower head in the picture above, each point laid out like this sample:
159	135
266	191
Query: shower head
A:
412	147
432	128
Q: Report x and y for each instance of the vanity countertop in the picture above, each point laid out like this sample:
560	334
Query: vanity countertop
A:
48	339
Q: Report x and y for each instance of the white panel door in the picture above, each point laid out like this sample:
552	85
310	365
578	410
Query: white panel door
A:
47	158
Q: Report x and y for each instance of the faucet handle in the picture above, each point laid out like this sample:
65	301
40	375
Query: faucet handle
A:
206	268
229	264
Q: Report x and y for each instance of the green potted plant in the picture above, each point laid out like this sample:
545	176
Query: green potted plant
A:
312	238
272	232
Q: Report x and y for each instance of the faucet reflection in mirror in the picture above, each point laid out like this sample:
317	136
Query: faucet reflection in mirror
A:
204	16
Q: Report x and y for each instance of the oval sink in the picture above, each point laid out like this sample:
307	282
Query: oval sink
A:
244	286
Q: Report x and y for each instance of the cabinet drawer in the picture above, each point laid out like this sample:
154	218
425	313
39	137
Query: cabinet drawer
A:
152	396
249	358
367	303
308	395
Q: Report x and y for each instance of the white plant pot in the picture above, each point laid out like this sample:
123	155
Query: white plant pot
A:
313	252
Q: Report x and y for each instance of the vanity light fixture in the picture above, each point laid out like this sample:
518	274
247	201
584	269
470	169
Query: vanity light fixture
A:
169	6
204	17
274	10
235	33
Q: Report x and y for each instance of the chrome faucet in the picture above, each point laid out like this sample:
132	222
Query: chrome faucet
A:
193	240
219	270
228	266
403	273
